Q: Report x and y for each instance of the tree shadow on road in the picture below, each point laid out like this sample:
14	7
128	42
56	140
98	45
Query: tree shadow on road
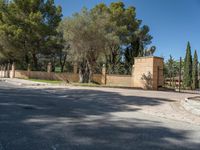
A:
83	119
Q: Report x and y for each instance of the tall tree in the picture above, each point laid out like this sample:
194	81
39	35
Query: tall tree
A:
101	35
187	76
171	70
113	31
29	28
130	38
137	42
86	35
195	71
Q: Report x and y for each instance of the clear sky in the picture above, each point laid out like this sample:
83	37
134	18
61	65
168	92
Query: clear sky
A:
172	22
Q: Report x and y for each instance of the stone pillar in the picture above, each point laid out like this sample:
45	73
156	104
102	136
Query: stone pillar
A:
132	76
29	70
103	76
13	70
29	67
49	69
4	71
75	71
0	71
8	70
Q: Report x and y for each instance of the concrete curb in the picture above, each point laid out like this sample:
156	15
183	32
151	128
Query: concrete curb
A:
14	82
191	106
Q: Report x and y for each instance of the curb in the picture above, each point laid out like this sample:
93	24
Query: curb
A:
188	104
25	84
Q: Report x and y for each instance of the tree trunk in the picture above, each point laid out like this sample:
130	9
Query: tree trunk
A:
170	83
85	72
80	76
63	62
26	59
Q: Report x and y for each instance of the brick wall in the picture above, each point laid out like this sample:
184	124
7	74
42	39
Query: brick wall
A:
118	80
70	77
147	73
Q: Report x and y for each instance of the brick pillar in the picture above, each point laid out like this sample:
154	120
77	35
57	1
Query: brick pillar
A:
103	77
132	76
13	71
49	69
4	71
8	70
75	68
29	70
0	71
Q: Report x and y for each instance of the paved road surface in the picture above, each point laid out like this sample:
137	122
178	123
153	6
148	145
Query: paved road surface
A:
85	119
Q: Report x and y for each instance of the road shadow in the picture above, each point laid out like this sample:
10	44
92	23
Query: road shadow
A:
82	119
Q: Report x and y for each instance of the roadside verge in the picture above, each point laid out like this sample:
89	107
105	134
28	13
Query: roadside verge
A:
192	104
23	82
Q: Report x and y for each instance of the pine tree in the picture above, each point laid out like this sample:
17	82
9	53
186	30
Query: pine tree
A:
170	64
195	71
187	76
29	28
198	75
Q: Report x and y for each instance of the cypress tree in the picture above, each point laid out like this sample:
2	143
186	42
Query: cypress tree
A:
187	76
195	71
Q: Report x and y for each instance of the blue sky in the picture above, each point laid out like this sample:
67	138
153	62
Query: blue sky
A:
172	22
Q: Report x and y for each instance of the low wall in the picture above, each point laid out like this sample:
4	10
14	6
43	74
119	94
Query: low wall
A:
119	80
112	80
97	78
21	74
147	73
69	77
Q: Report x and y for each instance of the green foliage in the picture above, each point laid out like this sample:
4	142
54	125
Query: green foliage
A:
195	71
187	76
135	38
171	69
106	34
31	32
28	29
114	63
86	34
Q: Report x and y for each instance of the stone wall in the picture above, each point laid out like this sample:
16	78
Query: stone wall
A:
68	77
147	73
118	80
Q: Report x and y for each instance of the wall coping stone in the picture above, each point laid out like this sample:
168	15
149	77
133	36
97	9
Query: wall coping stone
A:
146	57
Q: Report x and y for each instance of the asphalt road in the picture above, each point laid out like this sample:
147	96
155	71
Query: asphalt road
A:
81	119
